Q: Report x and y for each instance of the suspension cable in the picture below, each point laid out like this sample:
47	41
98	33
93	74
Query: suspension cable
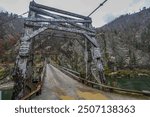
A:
97	8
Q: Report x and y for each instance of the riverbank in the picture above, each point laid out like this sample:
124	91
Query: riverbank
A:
136	79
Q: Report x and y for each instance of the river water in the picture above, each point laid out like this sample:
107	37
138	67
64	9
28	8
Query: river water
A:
6	95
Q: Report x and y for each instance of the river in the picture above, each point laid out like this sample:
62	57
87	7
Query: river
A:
6	95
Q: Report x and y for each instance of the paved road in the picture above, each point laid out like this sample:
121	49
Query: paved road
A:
58	86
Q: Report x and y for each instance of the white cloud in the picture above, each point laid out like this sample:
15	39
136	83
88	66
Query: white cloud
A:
147	3
115	8
2	9
15	6
109	18
112	8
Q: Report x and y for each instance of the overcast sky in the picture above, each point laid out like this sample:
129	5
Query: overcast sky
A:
112	9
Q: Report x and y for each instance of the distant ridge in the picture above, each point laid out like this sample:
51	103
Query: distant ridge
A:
2	9
127	39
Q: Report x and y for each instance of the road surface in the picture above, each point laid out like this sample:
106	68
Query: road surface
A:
58	86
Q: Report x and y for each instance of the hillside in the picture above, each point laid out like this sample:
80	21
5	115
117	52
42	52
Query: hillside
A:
125	46
125	42
10	30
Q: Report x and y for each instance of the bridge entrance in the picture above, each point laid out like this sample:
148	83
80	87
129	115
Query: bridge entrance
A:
44	20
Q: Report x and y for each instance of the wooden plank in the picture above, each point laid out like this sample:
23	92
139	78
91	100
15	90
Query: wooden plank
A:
83	27
0	95
93	41
60	28
57	20
42	12
36	32
39	85
56	16
58	10
32	93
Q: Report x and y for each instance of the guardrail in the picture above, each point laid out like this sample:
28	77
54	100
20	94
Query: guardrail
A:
74	74
72	71
38	86
102	86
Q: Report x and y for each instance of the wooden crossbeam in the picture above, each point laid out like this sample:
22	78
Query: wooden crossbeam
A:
58	10
36	32
56	20
72	22
63	17
42	12
83	27
59	28
92	40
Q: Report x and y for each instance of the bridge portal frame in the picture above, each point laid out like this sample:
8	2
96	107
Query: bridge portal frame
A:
40	19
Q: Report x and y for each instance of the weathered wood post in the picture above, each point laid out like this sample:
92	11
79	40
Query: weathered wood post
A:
40	19
0	95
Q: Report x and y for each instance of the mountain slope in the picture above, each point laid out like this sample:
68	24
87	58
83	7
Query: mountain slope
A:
1	9
10	29
125	42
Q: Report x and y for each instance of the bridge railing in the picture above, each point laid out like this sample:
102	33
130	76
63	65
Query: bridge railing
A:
38	88
102	86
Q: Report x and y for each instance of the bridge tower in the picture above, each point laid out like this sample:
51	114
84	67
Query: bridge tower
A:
40	19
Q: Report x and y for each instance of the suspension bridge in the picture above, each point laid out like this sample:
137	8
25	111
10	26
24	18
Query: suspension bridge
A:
55	82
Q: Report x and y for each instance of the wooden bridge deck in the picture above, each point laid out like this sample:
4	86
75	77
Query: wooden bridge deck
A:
58	86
